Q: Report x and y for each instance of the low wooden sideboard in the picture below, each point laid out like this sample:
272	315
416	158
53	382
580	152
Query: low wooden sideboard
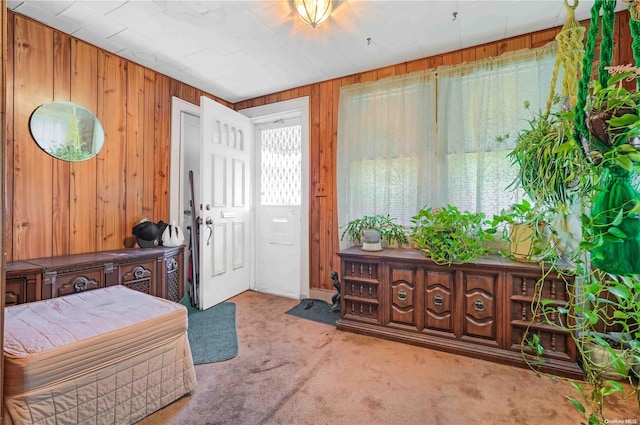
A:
156	271
479	309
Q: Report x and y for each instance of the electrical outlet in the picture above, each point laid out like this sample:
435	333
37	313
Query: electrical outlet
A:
321	189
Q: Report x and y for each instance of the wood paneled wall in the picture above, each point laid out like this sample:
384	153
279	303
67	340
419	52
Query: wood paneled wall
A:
59	208
324	237
3	126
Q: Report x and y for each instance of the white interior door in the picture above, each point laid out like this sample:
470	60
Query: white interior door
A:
224	194
278	207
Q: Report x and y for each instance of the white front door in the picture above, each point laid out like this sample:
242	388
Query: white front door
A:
224	195
278	207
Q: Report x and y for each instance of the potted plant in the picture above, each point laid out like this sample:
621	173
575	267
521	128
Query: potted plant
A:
611	115
551	172
525	230
548	160
369	230
450	236
607	354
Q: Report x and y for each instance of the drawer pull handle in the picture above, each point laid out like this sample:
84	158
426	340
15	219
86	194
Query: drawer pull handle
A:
478	305
80	285
138	272
402	295
438	300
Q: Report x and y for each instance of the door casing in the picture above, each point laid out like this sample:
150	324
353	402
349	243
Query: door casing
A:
257	114
272	112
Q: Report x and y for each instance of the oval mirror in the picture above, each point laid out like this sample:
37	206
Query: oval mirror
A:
67	131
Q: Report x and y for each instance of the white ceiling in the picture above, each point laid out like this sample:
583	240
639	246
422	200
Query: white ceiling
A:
238	50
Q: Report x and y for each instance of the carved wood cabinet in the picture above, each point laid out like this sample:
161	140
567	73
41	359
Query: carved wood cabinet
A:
479	309
156	271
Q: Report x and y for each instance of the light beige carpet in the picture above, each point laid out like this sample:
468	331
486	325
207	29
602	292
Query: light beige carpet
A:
294	371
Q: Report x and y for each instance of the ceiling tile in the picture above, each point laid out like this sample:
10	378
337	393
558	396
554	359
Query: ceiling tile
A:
93	24
243	49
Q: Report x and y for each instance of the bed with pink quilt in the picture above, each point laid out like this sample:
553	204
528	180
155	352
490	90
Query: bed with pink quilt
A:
111	355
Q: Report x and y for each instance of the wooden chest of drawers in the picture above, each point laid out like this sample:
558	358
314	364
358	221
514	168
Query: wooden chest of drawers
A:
156	271
479	309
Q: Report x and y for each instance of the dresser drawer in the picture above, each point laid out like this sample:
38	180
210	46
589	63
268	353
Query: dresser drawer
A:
80	281
139	276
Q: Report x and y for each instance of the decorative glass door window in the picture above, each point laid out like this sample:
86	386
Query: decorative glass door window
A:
281	162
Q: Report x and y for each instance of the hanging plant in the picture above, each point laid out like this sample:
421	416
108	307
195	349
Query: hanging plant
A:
604	274
611	115
548	160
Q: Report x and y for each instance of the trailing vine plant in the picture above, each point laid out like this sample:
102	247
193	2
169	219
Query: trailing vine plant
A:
602	277
450	236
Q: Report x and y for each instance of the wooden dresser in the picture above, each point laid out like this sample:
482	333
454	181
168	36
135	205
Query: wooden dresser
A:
156	271
479	309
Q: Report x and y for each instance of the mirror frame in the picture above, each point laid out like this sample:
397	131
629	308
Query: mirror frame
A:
67	131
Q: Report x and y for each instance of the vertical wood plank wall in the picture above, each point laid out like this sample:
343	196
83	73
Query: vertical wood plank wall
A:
324	237
57	208
3	126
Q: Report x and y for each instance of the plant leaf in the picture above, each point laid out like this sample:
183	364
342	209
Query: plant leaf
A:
625	162
623	121
620	291
577	405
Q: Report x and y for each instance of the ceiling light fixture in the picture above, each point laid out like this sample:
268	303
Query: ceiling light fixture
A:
313	12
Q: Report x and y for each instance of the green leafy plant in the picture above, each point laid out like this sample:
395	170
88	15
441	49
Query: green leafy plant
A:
525	228
612	114
549	161
69	152
603	301
551	171
602	317
451	236
390	231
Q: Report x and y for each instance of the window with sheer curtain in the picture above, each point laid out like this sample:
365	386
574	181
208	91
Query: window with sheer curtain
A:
386	159
431	138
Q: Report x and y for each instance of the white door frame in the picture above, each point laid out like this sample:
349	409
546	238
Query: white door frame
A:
176	185
258	114
273	111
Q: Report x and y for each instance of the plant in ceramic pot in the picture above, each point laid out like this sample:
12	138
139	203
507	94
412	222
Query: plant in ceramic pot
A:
525	229
550	171
369	230
608	354
450	236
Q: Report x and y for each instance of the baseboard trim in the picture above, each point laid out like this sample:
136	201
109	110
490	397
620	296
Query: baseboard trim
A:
321	294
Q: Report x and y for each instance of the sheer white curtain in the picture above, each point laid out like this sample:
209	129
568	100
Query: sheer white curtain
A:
477	102
387	158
